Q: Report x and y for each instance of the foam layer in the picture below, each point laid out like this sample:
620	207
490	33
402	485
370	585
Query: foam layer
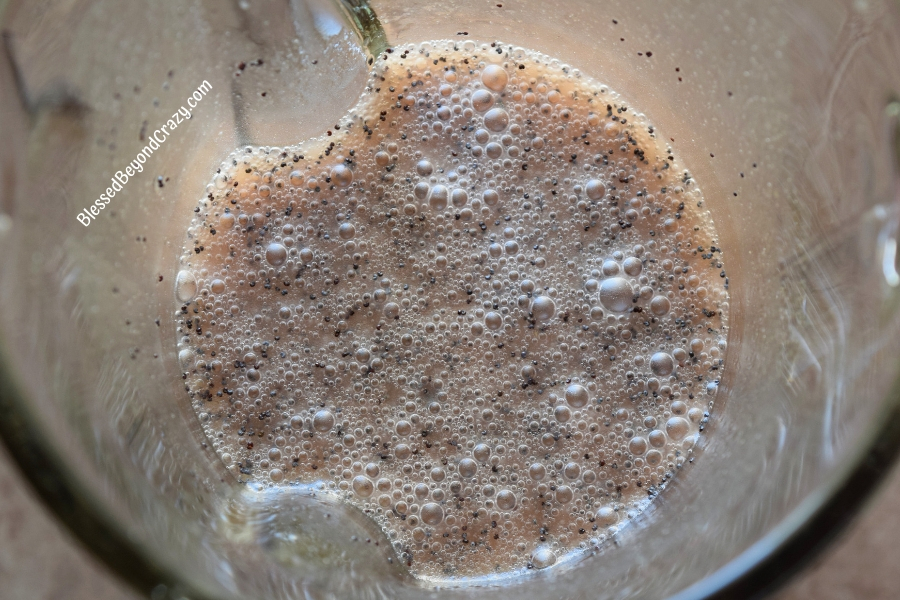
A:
487	308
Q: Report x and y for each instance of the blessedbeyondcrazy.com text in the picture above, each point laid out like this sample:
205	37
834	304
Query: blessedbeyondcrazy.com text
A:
118	181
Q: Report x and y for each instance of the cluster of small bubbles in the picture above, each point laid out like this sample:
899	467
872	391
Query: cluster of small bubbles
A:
488	310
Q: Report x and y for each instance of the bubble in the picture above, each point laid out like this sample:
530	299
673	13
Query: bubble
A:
421	491
632	266
276	475
342	176
572	470
306	255
616	294
657	438
363	486
577	396
660	305
677	428
610	268
391	310
439	197
493	321
402	451
496	120
595	189
637	446
424	168
185	286
482	100
323	421
184	357
662	364
543	557
276	254
217	286
506	500
543	308
421	190
493	150
606	516
494	77
481	452
432	514
467	468
562	413
537	471
490	197
459	197
346	231
564	494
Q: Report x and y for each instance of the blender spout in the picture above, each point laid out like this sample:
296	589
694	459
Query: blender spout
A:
297	58
365	24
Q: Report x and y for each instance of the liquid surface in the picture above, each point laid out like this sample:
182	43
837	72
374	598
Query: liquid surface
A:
487	308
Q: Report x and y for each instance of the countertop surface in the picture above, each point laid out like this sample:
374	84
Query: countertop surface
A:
39	560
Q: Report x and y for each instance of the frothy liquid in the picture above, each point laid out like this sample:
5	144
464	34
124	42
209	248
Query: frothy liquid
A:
487	309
